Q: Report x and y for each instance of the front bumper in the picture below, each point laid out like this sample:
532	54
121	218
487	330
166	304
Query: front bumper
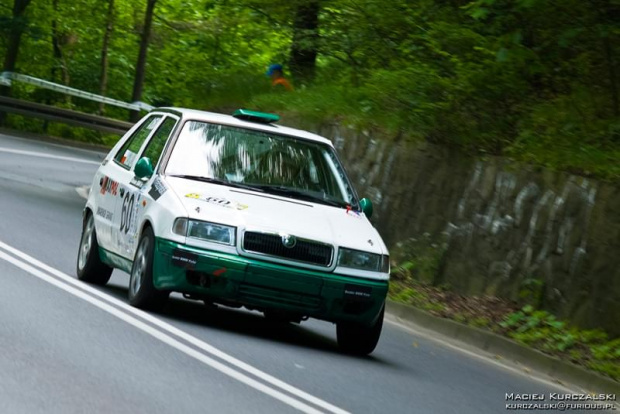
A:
256	284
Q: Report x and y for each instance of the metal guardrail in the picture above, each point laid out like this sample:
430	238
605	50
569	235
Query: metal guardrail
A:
52	113
6	78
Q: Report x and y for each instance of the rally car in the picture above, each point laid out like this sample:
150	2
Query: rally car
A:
237	211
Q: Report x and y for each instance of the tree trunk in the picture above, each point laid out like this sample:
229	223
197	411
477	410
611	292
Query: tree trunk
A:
613	81
141	65
13	40
304	48
17	28
109	27
56	52
59	58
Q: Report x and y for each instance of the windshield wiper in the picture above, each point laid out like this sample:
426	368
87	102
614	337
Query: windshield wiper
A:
279	190
217	181
302	195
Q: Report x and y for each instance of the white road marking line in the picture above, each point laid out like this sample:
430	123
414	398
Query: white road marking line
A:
177	332
45	155
163	337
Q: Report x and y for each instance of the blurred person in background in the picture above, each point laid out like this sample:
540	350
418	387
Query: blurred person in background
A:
278	81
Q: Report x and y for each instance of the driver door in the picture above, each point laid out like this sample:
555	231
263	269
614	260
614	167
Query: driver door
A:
130	206
120	175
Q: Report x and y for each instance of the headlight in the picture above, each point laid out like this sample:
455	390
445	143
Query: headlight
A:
385	264
204	230
359	260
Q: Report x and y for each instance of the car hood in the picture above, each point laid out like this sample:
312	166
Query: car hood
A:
250	210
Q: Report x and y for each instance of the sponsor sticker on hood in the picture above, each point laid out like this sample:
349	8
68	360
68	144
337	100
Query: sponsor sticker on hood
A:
222	202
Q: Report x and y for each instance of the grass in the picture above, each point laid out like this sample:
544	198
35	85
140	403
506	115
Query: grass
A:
551	138
415	264
543	331
551	134
59	130
596	160
538	329
415	297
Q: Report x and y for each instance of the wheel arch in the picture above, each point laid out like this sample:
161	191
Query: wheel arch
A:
87	210
146	224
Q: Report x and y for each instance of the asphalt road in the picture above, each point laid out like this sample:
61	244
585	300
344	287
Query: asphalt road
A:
66	347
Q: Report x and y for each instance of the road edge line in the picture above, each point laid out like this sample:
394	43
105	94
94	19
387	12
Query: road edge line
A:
204	346
161	336
507	349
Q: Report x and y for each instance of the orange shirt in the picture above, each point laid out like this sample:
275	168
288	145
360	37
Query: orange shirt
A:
282	81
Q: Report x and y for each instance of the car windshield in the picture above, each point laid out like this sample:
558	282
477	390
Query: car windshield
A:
261	160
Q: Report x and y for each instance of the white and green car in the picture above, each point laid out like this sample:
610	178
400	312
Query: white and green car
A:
238	211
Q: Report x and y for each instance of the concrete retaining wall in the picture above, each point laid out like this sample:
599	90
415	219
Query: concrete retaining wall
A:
508	229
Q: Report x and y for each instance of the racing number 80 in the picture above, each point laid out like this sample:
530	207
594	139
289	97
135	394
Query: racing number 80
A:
126	213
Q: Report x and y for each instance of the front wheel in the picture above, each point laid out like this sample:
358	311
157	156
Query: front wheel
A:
358	339
90	268
142	293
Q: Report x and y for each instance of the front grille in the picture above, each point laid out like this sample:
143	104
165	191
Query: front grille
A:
304	251
261	295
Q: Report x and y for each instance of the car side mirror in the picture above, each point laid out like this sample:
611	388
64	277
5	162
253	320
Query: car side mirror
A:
366	206
144	168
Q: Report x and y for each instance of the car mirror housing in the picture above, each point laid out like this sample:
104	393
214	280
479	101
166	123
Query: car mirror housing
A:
366	206
144	168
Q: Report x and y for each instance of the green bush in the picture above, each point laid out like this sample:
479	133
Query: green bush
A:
543	331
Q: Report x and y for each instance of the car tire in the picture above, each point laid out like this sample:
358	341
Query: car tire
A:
142	293
359	339
89	267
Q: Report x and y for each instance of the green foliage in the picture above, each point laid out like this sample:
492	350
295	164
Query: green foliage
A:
316	104
460	318
480	322
529	326
606	351
414	296
611	369
491	76
418	259
531	291
543	331
488	76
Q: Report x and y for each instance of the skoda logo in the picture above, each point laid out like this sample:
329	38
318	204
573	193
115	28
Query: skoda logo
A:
288	241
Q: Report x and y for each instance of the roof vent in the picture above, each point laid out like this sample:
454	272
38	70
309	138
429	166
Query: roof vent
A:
255	116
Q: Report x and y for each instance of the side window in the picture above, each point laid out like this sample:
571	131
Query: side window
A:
129	151
156	145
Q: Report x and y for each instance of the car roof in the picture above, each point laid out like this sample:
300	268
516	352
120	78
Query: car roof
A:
216	118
